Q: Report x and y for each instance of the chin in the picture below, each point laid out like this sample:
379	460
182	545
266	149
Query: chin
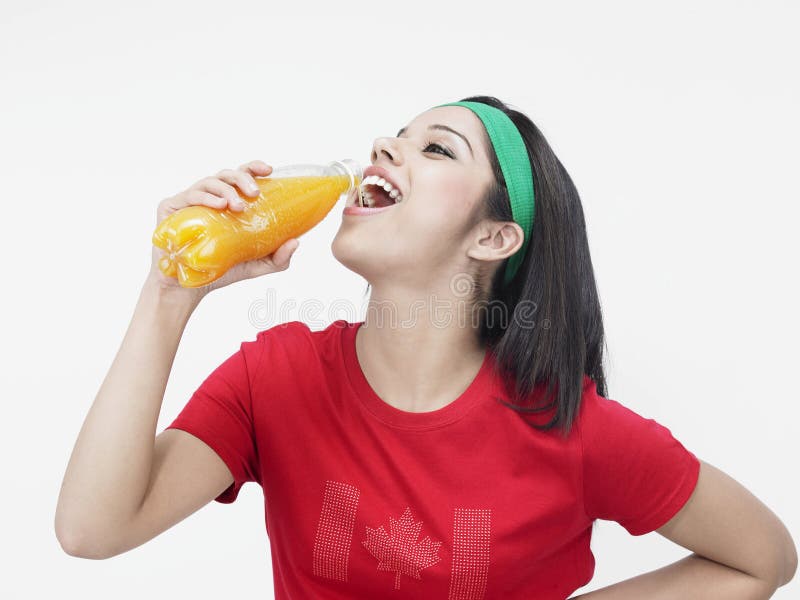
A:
345	250
351	254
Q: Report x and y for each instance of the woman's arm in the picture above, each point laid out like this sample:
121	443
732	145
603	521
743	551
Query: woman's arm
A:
690	577
742	551
123	486
109	469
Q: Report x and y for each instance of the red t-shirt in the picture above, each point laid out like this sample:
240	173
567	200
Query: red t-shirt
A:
466	502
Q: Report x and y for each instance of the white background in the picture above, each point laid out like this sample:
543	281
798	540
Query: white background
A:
678	123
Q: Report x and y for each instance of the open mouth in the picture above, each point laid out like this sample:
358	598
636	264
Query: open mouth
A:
376	192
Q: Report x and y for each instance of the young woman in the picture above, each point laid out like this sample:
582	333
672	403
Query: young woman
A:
455	444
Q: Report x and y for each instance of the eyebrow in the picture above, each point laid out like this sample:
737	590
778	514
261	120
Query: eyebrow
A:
444	128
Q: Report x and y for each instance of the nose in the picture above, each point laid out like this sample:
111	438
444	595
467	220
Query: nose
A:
386	147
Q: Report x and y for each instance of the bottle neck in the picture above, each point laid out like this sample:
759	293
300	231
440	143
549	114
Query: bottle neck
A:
351	169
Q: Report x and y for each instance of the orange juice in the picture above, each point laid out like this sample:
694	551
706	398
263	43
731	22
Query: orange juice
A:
201	243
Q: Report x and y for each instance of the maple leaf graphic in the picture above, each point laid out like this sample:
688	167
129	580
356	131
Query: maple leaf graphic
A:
400	552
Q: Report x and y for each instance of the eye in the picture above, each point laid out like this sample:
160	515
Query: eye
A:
441	149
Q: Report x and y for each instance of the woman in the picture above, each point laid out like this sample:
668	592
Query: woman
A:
462	449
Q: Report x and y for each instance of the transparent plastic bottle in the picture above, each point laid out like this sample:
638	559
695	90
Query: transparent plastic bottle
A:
201	243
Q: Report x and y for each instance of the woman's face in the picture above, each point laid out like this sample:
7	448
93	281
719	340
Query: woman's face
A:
440	164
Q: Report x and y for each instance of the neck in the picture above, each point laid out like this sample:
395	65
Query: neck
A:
418	352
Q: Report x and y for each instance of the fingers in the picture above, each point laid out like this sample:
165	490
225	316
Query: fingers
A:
192	197
241	179
220	188
220	191
201	198
257	168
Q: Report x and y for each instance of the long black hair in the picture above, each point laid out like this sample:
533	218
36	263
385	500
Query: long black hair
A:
553	333
563	340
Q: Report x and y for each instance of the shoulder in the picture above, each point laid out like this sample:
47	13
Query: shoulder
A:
294	341
599	415
281	331
301	331
599	412
612	432
293	356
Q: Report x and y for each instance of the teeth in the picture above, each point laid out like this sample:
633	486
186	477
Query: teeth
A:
367	198
379	181
368	201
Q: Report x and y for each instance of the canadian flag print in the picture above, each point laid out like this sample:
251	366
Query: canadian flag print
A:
335	530
469	572
400	549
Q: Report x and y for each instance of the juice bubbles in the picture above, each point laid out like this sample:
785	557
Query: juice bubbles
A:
201	243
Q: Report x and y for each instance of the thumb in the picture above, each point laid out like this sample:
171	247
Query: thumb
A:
284	254
280	259
277	261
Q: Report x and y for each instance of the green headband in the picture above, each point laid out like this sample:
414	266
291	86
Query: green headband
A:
516	167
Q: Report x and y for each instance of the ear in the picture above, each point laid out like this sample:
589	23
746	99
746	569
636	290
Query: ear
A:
496	240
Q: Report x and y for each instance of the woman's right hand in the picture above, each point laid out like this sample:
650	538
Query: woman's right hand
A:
219	191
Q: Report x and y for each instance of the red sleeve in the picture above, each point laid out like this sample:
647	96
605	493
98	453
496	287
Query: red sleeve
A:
219	413
634	471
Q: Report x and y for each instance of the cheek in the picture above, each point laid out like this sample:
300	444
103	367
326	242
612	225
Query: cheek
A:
442	216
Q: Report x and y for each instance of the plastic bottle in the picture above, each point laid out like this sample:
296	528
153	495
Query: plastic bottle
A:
202	243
